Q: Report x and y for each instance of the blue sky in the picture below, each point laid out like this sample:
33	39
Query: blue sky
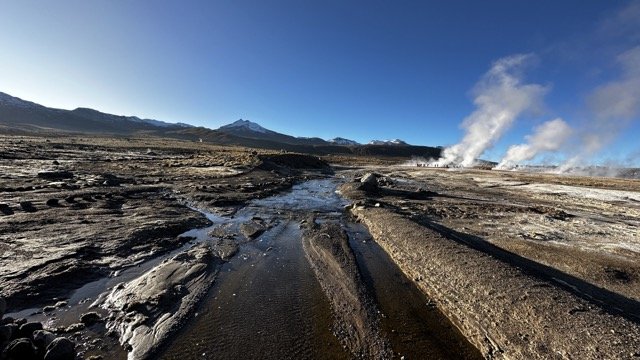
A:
358	69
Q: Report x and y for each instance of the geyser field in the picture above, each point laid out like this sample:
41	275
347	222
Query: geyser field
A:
154	248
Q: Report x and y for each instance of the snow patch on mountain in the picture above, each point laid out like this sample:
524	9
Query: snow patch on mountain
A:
387	142
245	125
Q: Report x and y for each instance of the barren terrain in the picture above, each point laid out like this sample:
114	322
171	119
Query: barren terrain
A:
143	247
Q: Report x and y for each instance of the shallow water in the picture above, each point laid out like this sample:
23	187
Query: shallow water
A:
266	302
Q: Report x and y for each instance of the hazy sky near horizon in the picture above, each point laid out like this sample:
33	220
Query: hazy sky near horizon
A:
357	69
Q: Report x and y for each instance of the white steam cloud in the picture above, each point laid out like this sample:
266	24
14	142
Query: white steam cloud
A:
549	136
500	97
619	99
613	106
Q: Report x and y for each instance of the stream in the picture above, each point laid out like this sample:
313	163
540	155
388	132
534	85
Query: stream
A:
266	301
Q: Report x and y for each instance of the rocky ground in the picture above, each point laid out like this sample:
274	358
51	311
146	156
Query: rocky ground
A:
523	265
467	239
75	210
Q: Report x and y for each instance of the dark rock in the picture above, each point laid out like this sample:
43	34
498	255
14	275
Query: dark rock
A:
3	306
6	209
70	199
42	338
90	318
110	180
27	330
6	320
53	202
20	349
252	230
27	206
14	330
60	349
369	182
6	333
55	174
20	321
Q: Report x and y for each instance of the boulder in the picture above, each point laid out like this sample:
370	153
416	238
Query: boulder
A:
20	349
27	330
6	333
369	182
60	349
90	318
42	338
13	328
252	229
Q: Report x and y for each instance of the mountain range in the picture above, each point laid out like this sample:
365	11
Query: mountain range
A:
21	116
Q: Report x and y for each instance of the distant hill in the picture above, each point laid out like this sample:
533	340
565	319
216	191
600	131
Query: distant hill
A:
26	115
19	116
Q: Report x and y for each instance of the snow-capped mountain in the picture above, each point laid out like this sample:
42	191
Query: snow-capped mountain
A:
343	141
244	125
250	130
388	142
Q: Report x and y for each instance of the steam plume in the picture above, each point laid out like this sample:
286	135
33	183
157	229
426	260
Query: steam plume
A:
547	137
613	105
500	98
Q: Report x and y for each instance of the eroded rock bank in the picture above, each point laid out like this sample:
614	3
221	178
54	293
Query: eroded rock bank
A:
356	321
505	311
147	311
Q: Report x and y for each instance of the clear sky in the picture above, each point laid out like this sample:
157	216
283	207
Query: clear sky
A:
357	69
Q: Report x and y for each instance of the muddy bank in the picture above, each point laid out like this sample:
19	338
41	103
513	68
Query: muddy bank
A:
356	321
504	311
